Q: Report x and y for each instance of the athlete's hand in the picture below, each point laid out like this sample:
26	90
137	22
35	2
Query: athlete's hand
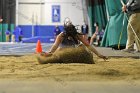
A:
103	57
124	8
45	54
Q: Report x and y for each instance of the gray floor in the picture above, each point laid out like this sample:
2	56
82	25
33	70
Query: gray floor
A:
29	48
68	87
21	48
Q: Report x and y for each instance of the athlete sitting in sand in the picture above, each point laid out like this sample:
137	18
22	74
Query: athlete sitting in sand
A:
71	38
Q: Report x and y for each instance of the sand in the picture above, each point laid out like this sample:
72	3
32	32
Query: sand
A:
27	68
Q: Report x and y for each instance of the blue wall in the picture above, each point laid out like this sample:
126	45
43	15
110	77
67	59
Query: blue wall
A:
39	30
44	33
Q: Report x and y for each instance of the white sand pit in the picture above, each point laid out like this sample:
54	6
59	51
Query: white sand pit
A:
28	68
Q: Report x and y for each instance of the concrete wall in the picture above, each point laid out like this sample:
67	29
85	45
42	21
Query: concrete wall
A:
40	11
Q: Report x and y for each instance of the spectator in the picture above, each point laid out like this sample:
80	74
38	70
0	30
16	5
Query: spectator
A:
100	36
1	20
20	34
84	29
133	7
7	33
13	36
57	31
95	33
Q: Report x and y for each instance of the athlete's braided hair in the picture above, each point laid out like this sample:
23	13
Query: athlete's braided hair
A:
70	30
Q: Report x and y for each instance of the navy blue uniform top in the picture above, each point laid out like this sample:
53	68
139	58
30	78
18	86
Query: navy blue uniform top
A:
68	41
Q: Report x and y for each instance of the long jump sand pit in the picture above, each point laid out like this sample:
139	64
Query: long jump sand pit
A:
27	68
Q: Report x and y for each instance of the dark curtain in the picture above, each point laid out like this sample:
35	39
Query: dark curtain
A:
8	14
7	11
97	13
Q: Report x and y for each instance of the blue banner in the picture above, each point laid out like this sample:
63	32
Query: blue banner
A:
55	13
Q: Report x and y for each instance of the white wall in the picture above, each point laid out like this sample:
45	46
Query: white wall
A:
29	13
42	12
